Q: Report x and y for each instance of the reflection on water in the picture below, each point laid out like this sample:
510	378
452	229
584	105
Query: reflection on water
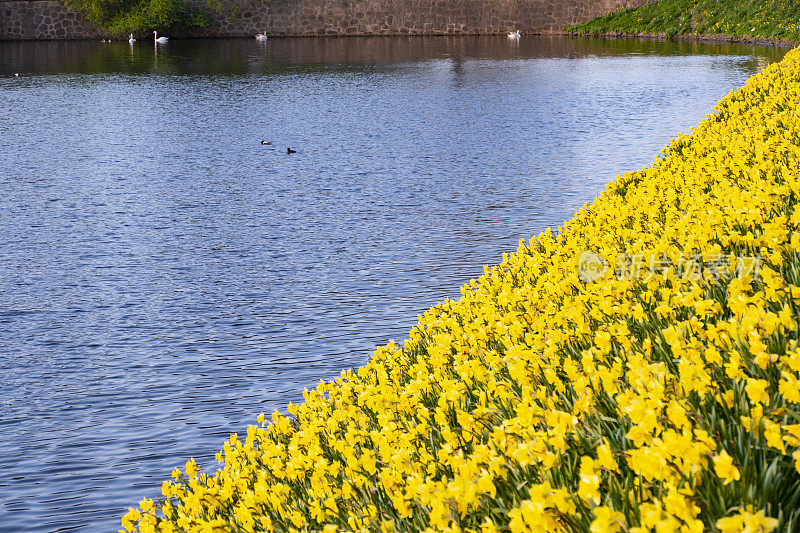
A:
165	277
246	56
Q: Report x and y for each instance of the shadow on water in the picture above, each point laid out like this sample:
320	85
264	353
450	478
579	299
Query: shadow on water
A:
238	57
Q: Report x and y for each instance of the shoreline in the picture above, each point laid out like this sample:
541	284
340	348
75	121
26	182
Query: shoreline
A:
705	38
700	37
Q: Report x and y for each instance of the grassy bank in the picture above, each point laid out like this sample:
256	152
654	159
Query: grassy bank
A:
759	19
638	370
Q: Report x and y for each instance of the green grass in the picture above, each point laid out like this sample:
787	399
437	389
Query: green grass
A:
120	17
770	19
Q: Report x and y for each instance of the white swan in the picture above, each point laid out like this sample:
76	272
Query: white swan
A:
159	39
131	39
514	35
261	36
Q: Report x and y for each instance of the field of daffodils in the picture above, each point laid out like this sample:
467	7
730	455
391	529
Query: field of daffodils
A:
638	370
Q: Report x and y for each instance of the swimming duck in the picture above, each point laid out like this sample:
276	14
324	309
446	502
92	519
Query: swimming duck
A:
290	151
265	143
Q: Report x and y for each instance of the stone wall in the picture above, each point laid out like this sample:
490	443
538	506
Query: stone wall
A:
45	19
49	19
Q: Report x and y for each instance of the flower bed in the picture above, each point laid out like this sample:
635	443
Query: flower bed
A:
639	370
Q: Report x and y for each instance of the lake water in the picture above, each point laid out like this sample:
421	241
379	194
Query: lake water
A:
164	276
